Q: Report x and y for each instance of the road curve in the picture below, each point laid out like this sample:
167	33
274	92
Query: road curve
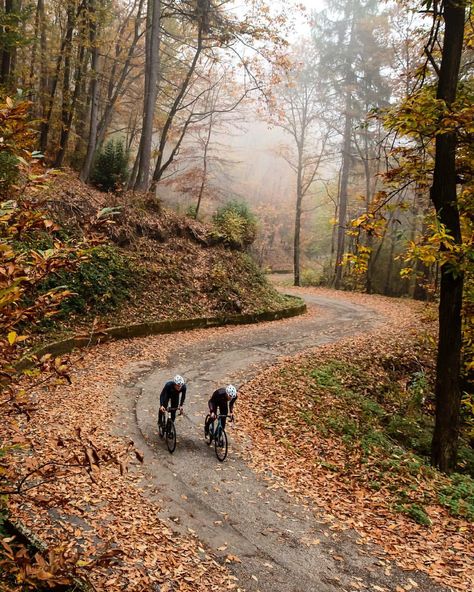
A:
282	546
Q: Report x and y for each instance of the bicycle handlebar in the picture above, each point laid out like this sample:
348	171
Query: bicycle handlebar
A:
169	409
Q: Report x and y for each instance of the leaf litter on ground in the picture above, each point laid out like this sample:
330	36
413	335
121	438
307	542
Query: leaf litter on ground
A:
304	414
104	510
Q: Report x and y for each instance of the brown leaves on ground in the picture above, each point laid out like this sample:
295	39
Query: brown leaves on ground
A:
88	504
98	507
282	414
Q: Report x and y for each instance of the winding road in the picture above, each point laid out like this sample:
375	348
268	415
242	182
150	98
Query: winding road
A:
275	543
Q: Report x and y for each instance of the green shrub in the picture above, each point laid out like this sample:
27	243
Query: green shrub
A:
417	513
9	171
328	376
310	277
411	432
371	409
418	388
466	459
308	417
458	496
99	284
191	211
235	224
372	440
110	169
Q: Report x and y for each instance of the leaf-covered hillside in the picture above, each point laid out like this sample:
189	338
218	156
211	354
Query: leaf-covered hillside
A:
147	263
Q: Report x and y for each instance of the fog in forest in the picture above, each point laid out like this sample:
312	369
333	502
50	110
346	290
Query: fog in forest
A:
291	110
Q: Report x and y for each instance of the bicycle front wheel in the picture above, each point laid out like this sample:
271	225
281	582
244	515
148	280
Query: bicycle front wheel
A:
161	425
220	445
208	432
170	436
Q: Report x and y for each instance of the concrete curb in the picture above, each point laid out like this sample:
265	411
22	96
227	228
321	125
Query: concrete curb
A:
155	328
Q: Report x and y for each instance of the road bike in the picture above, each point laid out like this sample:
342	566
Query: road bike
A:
166	428
216	433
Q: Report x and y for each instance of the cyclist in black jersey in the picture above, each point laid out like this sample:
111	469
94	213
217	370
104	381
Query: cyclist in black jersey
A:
171	392
219	401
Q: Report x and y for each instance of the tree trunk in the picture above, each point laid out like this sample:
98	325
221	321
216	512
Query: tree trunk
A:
151	90
204	167
299	200
444	197
343	191
346	154
14	81
43	77
160	167
368	201
34	46
49	102
66	94
80	147
94	92
78	88
388	275
6	59
116	84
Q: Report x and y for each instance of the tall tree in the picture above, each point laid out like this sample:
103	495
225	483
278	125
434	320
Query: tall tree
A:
126	50
94	91
160	165
434	117
349	60
12	15
152	64
444	197
301	104
66	94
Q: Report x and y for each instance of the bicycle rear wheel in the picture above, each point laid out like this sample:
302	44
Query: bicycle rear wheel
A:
208	434
220	445
170	436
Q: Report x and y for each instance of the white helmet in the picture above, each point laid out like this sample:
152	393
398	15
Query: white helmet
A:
231	391
178	380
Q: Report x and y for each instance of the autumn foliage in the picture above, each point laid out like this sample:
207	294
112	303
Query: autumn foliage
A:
30	251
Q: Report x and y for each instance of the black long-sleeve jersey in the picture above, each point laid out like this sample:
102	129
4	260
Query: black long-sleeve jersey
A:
219	400
169	393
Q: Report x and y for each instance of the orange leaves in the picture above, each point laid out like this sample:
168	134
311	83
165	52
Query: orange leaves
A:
17	133
439	246
23	269
32	569
232	559
308	429
117	540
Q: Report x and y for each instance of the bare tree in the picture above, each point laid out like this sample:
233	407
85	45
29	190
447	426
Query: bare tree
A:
152	64
299	99
94	92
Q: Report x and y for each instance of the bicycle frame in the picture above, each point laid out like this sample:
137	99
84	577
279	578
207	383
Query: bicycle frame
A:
218	434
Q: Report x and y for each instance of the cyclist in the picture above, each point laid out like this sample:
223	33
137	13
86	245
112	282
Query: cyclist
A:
171	392
220	401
